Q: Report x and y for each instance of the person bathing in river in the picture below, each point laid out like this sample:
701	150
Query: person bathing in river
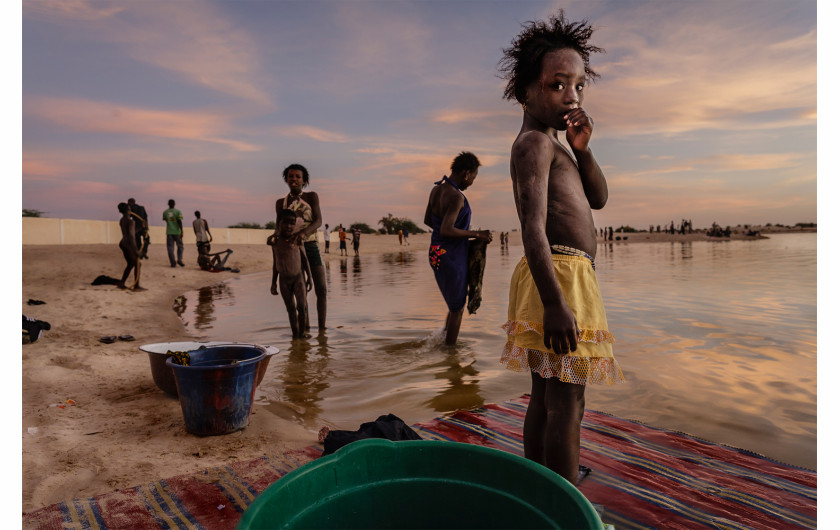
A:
307	207
448	214
291	272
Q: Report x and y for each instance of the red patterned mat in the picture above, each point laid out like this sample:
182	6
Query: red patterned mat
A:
643	476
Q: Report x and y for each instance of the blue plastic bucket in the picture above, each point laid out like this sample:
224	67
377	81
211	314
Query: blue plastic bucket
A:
216	390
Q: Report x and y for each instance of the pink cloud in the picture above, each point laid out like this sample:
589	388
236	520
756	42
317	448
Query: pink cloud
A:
314	133
104	117
181	37
451	116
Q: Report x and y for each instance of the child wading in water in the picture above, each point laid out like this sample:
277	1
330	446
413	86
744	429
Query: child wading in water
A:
292	270
557	327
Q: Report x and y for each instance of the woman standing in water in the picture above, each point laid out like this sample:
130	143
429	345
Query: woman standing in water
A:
307	208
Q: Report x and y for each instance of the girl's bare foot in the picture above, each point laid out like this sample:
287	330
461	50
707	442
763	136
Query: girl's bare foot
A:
274	290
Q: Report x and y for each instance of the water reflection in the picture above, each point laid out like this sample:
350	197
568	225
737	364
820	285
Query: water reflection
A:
204	306
463	390
305	376
399	258
697	325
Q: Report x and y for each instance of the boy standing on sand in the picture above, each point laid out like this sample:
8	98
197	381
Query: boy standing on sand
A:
290	267
174	232
128	245
557	326
342	241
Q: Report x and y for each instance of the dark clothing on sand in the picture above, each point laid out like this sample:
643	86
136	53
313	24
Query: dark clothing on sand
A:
388	427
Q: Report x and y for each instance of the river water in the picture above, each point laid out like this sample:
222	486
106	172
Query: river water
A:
716	339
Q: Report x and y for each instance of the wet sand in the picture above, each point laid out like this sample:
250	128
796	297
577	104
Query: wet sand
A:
120	430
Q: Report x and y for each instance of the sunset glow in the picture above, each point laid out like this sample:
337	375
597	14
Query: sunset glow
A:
705	109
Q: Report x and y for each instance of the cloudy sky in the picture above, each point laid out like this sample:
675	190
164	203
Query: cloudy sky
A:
705	109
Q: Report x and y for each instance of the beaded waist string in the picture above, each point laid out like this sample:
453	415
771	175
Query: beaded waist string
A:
563	250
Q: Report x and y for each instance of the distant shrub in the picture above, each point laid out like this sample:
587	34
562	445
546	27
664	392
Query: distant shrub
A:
258	226
363	227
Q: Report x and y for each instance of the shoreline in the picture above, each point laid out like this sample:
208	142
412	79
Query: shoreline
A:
121	430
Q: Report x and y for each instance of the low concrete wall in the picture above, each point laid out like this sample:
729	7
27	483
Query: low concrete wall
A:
47	231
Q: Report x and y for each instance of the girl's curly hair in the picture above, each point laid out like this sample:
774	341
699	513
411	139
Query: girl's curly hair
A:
522	62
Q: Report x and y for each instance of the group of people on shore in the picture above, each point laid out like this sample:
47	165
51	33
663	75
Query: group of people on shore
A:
556	323
557	327
134	243
356	236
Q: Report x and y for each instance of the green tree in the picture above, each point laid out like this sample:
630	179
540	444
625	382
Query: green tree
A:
246	225
271	225
391	225
364	227
388	223
407	225
28	212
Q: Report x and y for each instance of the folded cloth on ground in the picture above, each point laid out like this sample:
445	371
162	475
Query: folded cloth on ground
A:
32	329
104	280
388	426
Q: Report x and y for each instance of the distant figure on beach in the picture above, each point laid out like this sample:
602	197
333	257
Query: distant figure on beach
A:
128	245
203	237
307	208
448	214
557	326
342	241
174	233
405	237
141	227
400	236
611	233
326	239
357	237
291	271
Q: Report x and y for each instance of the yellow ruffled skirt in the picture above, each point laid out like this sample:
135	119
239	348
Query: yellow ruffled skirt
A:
593	361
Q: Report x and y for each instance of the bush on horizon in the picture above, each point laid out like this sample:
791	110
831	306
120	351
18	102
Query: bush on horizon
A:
363	227
392	225
258	226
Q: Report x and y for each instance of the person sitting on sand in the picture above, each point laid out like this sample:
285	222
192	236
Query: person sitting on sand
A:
128	245
215	261
291	271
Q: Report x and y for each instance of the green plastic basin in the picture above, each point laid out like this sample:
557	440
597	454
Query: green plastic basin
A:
420	484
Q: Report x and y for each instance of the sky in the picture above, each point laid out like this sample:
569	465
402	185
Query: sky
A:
705	110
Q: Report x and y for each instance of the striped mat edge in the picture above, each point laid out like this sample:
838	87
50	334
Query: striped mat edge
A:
645	477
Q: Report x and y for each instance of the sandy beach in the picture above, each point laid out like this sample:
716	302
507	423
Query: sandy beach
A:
118	429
